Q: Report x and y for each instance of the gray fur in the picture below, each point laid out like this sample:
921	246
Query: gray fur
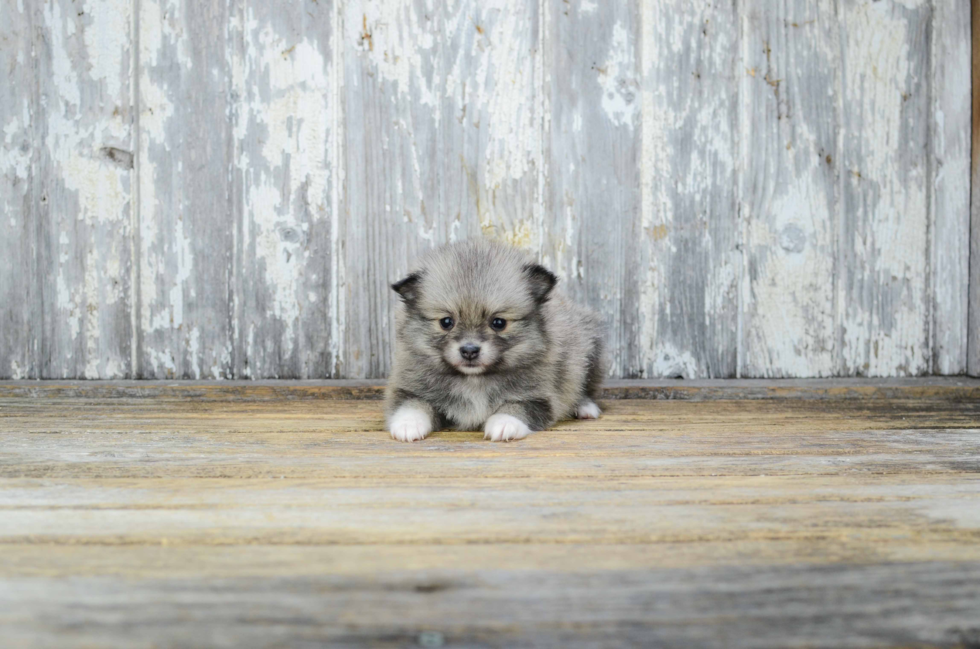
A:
541	367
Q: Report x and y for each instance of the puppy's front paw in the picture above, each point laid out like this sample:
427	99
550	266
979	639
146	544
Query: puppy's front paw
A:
587	410
410	425
504	428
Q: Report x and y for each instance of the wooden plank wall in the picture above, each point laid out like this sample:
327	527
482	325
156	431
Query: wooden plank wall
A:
974	301
225	188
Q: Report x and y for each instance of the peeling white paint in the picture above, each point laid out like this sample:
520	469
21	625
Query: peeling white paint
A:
338	275
91	314
911	4
656	207
183	255
194	351
105	38
90	197
295	116
950	191
15	158
672	362
17	371
687	184
67	299
155	111
788	197
793	331
514	135
390	34
617	77
102	189
288	110
62	70
886	336
167	261
162	360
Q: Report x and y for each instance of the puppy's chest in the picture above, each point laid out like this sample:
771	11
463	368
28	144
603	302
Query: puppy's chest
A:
471	406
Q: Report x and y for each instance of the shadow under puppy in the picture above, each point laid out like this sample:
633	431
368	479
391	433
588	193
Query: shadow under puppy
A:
483	341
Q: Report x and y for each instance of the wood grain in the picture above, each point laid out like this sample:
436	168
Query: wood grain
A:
973	360
188	227
918	389
18	294
789	187
688	242
188	522
725	607
883	291
285	133
590	235
950	180
84	188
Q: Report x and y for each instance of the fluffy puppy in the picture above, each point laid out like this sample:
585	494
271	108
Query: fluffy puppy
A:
483	341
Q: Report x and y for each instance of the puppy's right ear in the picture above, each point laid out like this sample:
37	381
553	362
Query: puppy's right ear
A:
408	288
542	281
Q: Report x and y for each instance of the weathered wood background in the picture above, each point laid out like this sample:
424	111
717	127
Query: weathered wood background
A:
225	188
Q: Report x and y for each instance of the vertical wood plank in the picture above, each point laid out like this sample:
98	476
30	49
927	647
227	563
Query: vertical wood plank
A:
950	178
17	244
788	189
883	291
593	183
442	141
689	263
973	335
286	143
84	187
186	215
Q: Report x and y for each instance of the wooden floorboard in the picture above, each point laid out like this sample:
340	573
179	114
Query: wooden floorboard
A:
252	518
935	387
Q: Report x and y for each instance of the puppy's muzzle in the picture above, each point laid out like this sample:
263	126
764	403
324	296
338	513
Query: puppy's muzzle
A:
469	351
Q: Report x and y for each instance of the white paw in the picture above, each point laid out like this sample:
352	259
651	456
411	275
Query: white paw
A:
410	424
504	428
587	410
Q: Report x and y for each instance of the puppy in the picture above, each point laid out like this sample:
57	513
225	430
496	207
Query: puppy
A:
483	341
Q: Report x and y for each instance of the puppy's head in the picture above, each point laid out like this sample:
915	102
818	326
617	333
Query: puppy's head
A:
475	307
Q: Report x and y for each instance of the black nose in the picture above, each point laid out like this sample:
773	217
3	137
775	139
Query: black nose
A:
469	351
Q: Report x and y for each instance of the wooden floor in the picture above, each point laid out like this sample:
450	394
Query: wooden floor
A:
842	515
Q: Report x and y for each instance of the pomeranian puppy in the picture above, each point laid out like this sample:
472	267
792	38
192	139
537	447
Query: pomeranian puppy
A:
484	342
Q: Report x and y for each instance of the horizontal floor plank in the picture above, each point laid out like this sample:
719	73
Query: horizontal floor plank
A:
345	440
937	387
932	604
822	510
280	521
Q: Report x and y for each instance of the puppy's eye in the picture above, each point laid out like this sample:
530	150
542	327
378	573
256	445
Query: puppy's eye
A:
498	324
447	323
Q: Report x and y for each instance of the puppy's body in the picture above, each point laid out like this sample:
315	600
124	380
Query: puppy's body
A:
483	342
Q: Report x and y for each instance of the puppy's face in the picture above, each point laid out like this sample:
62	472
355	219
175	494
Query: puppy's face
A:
475	311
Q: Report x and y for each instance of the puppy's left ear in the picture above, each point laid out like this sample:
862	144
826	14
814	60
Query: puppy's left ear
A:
408	288
541	280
